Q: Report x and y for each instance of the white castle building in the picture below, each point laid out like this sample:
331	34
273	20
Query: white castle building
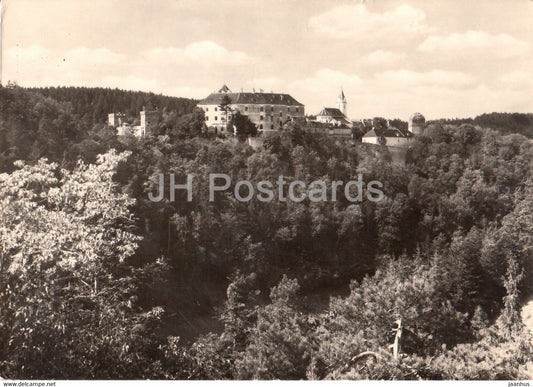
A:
268	111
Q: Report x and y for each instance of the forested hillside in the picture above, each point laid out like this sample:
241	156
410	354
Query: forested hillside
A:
506	123
98	281
93	104
65	123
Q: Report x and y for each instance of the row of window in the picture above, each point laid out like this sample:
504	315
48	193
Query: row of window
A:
271	126
261	118
262	109
260	125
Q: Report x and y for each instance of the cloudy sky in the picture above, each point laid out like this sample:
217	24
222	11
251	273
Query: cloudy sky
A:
452	58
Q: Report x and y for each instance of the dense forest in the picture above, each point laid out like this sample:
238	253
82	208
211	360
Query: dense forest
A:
98	281
93	104
67	123
506	123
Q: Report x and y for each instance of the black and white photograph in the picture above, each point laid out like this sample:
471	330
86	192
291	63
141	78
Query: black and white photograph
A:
274	190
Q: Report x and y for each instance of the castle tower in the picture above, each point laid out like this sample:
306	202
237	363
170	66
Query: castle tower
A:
149	120
417	123
116	119
342	104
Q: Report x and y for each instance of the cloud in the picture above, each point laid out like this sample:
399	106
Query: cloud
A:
33	64
130	82
28	54
355	21
475	43
85	56
382	58
517	80
210	51
323	87
326	78
150	70
390	93
205	52
409	78
187	91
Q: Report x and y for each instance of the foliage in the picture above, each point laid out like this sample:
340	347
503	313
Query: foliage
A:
65	238
244	128
98	281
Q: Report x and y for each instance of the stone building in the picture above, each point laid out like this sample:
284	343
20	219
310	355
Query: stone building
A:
116	119
148	122
268	111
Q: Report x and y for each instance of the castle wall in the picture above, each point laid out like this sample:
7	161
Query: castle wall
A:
389	141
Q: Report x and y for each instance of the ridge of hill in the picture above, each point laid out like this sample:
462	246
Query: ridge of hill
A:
94	103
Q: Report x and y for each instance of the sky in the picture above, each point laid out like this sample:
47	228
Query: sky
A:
453	58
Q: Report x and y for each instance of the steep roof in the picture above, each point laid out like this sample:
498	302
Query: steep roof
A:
332	112
224	89
251	98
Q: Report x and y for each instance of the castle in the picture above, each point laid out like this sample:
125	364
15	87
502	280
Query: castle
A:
268	111
271	111
395	137
148	122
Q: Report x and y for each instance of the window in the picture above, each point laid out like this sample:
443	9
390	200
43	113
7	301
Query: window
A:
261	126
206	109
216	118
215	109
272	126
271	109
206	118
222	119
280	123
261	118
261	109
246	108
296	110
281	114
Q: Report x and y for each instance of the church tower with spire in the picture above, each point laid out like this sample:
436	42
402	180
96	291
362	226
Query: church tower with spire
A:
342	104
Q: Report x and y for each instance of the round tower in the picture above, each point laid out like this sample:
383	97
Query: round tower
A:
342	104
417	123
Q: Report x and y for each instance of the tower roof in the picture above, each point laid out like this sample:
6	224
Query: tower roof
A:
224	89
342	94
418	118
